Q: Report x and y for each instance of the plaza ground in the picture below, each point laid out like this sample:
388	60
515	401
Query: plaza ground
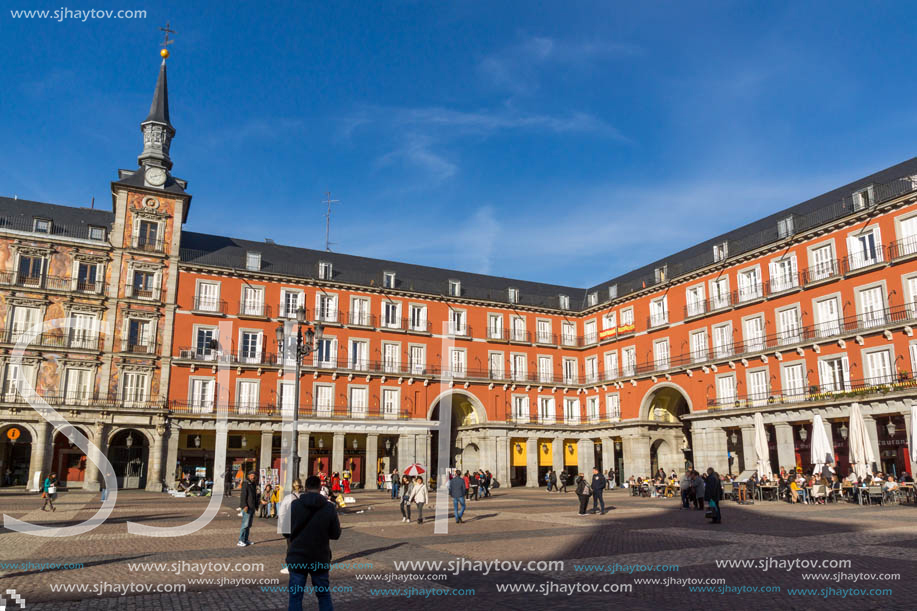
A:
517	524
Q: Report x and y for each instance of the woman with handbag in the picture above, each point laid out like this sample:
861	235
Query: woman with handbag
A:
419	496
49	492
407	489
583	490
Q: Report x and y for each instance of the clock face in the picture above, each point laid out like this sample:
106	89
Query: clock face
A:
156	176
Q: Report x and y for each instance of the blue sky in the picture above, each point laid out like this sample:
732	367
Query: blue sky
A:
561	142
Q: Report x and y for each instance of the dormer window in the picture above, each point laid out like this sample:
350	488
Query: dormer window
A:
661	274
253	261
720	251
42	226
612	291
97	233
592	299
388	280
785	227
513	295
564	302
864	198
324	270
455	288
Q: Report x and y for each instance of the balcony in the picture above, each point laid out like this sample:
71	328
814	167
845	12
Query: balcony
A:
590	338
458	330
545	338
208	408
863	261
82	399
360	319
253	309
51	283
696	308
209	305
854	390
139	348
77	339
784	282
658	319
750	292
821	272
520	336
144	293
903	248
146	244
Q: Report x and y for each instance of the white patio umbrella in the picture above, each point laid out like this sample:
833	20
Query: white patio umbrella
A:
861	455
822	452
913	433
761	450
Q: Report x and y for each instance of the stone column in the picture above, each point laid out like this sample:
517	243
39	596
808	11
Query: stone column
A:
531	462
786	452
719	451
154	462
872	432
42	451
502	467
372	461
172	456
337	453
608	455
407	451
749	455
267	441
303	452
636	456
557	451
585	455
488	453
910	440
100	439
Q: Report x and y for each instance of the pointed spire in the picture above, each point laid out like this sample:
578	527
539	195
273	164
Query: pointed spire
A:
159	109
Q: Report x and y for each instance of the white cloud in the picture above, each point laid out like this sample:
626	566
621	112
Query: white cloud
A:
415	150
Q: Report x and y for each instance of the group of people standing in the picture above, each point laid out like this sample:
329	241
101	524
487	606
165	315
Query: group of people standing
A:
594	488
700	488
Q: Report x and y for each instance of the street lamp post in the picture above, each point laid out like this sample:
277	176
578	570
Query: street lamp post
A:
305	345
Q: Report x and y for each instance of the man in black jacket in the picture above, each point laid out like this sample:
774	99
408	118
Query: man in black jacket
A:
313	523
713	490
248	504
598	486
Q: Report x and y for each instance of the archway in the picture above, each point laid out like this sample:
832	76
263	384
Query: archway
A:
128	453
15	454
467	410
68	460
664	405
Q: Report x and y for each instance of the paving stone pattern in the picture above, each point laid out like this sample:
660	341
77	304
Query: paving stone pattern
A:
513	525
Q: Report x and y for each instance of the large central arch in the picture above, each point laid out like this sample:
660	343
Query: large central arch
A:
467	410
670	440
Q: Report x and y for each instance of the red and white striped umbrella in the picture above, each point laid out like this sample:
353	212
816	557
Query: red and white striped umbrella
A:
414	470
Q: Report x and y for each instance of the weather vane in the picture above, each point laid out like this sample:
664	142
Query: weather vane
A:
165	40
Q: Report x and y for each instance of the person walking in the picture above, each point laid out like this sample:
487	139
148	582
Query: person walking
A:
467	484
457	491
698	491
49	492
475	484
598	487
713	490
552	482
395	483
685	487
248	503
419	496
313	524
406	490
583	491
283	517
564	478
488	481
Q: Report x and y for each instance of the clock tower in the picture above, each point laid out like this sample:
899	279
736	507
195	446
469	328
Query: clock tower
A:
157	135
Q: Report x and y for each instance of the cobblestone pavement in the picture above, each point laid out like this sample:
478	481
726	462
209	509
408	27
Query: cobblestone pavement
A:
514	525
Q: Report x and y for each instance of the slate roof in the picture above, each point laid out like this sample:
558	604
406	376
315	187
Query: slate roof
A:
227	252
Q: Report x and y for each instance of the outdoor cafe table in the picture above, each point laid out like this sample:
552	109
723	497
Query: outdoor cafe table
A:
767	490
